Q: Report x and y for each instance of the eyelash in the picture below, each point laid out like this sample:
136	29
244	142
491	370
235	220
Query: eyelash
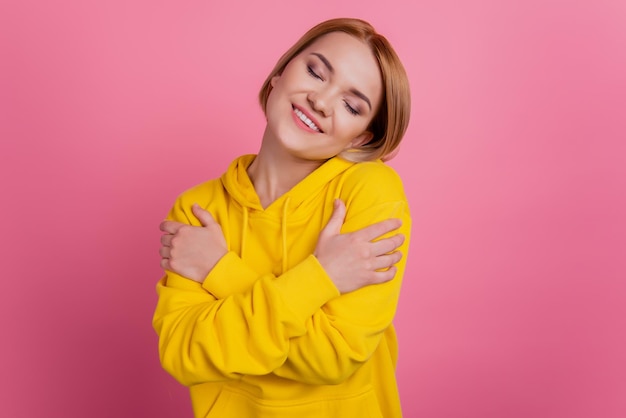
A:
313	73
349	108
352	110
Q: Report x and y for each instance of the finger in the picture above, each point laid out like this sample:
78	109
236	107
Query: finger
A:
387	245
164	252
336	219
378	229
171	227
165	264
203	215
386	261
383	276
166	240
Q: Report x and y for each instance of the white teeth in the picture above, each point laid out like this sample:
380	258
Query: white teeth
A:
306	120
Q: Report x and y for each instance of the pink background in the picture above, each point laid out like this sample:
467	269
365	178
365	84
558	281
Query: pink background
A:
515	166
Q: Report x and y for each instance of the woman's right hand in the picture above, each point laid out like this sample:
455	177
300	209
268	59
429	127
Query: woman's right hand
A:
354	260
192	251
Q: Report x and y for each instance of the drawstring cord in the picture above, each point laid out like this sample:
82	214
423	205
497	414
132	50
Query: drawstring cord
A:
283	227
244	229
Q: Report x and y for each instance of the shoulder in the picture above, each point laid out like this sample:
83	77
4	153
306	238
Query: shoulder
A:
374	178
203	194
372	192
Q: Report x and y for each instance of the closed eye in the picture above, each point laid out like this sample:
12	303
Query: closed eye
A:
312	72
351	109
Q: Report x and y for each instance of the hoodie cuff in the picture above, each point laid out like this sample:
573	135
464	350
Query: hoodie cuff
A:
230	275
306	287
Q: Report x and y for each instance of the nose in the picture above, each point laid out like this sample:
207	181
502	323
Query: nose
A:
320	102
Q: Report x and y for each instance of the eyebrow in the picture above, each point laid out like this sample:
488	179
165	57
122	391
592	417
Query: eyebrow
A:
332	70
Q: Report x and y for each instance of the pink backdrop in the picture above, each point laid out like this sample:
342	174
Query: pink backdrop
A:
514	304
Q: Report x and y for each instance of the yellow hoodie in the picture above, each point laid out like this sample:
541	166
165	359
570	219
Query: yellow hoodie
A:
267	334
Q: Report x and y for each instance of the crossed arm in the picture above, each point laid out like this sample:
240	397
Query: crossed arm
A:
351	260
317	335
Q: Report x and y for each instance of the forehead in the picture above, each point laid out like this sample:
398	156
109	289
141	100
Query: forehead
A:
352	59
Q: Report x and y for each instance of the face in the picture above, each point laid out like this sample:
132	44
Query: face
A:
325	98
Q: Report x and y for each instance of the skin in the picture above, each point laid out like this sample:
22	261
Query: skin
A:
336	83
289	151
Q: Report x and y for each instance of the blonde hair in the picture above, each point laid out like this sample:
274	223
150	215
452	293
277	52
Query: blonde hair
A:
390	122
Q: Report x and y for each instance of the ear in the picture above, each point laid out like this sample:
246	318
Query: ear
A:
362	139
274	80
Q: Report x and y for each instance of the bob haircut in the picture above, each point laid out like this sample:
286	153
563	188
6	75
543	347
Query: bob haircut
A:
389	124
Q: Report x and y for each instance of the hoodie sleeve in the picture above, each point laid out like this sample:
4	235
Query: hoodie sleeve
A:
203	338
295	325
345	332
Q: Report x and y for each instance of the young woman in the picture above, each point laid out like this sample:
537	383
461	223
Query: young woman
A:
283	276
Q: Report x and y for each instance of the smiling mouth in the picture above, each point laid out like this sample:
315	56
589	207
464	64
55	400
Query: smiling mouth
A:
308	122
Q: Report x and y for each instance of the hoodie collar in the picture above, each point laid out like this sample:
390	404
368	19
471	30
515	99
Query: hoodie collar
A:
239	186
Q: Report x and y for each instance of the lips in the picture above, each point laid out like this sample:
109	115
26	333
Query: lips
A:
306	119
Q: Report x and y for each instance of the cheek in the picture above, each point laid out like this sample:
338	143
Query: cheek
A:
350	126
275	96
271	107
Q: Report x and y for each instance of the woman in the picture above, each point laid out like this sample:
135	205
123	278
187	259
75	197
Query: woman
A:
283	276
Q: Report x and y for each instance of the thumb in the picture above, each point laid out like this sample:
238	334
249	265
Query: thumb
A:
336	219
203	215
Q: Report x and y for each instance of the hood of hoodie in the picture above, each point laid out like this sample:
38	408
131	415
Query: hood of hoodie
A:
297	205
240	188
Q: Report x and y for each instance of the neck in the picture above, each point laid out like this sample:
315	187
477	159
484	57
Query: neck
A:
274	172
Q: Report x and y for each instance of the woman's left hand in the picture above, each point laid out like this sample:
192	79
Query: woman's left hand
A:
192	251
